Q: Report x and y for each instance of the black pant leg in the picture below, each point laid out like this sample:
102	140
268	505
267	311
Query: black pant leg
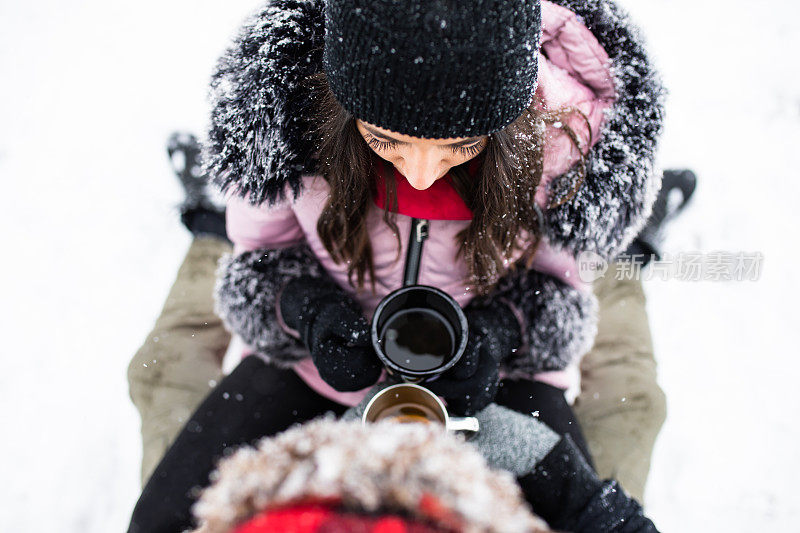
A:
528	397
253	401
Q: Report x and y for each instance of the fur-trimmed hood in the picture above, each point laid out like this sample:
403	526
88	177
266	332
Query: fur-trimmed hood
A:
410	469
258	140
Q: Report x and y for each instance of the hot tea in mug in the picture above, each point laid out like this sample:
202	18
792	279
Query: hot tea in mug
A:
419	332
407	403
408	413
418	339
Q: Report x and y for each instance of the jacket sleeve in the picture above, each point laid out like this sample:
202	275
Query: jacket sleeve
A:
269	251
554	477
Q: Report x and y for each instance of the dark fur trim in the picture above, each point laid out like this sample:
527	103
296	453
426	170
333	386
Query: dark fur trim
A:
561	322
248	286
621	183
258	143
258	139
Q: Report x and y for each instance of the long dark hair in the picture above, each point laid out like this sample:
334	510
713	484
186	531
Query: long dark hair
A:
505	217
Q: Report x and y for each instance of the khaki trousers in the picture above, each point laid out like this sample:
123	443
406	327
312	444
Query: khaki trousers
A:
181	358
620	408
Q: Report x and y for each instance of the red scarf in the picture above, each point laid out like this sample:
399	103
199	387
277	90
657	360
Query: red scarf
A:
440	201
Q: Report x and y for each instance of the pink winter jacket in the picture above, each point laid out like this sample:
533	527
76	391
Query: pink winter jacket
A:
575	72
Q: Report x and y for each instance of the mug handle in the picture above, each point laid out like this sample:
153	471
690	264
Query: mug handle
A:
467	424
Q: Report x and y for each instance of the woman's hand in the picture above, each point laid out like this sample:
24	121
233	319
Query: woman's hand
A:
471	385
334	330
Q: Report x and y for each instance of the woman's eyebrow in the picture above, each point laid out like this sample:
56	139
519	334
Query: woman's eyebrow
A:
398	141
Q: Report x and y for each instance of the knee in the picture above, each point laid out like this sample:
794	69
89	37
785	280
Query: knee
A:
141	373
634	396
646	409
654	408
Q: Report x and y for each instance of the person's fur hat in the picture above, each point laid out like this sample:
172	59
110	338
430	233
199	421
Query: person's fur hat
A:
413	471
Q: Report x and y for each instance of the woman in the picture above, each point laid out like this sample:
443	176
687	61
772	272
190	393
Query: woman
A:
520	160
531	322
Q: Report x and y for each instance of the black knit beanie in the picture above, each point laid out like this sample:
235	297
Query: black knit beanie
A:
433	68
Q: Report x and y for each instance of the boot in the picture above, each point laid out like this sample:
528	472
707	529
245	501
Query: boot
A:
199	213
677	188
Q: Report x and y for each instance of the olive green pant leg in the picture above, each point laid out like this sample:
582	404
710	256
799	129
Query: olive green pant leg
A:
621	408
181	359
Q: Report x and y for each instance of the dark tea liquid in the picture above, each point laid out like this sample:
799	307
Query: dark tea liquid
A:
418	339
409	413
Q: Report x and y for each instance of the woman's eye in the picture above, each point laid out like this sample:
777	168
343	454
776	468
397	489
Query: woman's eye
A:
472	149
380	145
377	144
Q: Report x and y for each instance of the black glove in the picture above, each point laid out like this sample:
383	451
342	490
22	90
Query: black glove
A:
334	330
565	491
471	384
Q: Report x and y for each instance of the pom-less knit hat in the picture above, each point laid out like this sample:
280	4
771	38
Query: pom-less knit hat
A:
433	68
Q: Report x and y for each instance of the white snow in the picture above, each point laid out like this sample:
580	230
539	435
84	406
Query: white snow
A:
90	92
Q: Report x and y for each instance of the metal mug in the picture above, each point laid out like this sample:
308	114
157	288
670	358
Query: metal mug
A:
436	310
408	402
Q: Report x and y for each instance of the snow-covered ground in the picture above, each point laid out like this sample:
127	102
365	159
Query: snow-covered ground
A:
90	90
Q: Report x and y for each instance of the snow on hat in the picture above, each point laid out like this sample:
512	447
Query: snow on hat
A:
433	68
411	473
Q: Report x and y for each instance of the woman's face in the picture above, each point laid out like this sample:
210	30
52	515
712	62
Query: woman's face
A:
421	161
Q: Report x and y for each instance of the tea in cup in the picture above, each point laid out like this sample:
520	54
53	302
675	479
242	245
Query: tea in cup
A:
418	332
408	403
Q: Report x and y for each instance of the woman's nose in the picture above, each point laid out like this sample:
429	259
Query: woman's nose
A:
422	173
421	183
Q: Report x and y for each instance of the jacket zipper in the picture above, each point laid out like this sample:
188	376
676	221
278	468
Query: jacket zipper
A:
419	232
